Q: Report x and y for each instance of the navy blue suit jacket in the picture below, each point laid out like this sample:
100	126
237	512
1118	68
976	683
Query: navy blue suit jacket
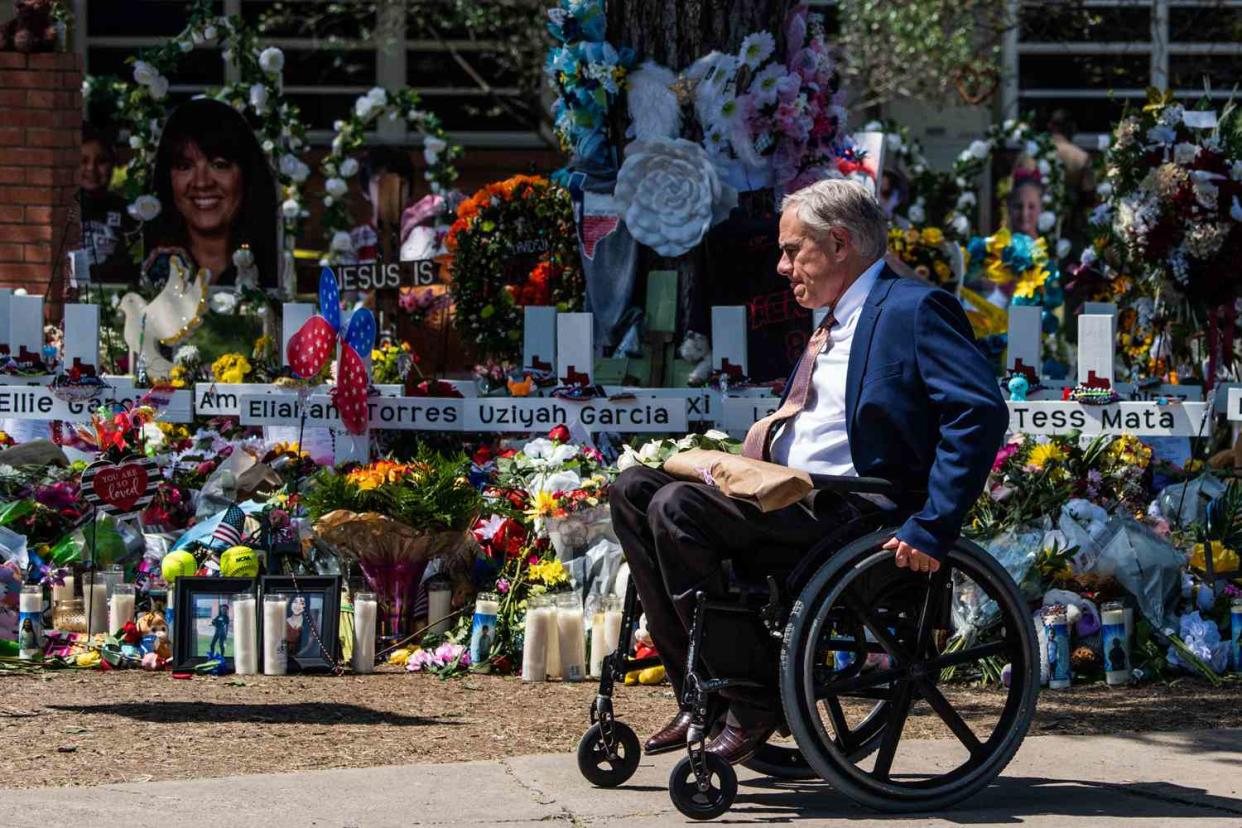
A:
923	408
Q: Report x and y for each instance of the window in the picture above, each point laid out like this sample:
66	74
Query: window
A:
1096	57
334	52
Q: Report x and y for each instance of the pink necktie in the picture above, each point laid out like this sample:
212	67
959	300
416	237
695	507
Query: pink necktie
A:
759	435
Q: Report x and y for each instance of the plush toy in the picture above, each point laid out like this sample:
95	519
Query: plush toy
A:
31	29
154	630
696	349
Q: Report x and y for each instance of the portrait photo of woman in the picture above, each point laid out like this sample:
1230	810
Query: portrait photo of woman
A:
299	635
218	197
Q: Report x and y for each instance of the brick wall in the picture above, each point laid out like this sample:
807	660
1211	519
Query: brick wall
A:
40	148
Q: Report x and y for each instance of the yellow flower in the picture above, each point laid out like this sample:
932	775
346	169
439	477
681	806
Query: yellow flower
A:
231	368
177	377
1224	559
998	241
1044	454
933	236
549	573
542	505
398	658
999	272
1030	281
912	236
943	271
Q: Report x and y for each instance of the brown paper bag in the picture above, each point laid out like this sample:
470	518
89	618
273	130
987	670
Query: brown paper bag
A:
766	485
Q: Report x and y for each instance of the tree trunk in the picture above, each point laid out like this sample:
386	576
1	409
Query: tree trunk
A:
675	33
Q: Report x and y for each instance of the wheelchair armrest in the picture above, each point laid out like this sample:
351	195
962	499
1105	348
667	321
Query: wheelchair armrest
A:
856	485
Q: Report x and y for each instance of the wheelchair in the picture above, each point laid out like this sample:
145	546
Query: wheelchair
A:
861	642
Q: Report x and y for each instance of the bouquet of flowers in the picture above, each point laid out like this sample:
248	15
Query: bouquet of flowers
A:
1034	476
550	464
768	123
927	252
653	453
1172	201
1006	258
392	518
391	364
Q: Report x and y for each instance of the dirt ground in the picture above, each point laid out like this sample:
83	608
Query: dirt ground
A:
90	728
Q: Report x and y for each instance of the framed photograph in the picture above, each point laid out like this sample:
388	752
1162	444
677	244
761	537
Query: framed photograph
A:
312	619
203	624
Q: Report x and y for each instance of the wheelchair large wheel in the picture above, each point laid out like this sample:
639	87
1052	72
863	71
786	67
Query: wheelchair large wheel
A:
899	661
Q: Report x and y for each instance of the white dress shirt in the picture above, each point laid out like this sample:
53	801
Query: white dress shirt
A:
815	440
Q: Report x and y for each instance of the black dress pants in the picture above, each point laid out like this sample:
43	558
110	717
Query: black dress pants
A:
676	535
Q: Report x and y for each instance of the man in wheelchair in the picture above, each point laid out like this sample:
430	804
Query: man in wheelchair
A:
891	386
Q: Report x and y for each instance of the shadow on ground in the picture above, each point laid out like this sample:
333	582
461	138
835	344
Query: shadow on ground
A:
1010	800
319	713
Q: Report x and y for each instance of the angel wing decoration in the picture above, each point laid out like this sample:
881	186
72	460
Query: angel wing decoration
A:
168	319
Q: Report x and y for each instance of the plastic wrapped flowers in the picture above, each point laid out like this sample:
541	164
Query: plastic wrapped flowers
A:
447	655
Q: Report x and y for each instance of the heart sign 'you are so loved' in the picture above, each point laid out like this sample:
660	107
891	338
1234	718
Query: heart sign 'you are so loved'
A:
120	489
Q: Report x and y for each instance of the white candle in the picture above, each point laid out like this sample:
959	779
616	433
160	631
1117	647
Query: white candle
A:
605	632
597	643
535	642
439	605
63	593
121	608
483	627
245	635
554	643
366	607
275	655
95	602
612	629
30	622
572	635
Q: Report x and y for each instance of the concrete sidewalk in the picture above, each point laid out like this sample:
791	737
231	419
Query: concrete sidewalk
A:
1138	779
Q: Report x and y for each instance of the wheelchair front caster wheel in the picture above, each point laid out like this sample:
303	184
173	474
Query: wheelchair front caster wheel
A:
694	803
605	767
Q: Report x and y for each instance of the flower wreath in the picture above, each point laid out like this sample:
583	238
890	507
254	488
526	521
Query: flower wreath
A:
350	135
141	108
1049	171
495	228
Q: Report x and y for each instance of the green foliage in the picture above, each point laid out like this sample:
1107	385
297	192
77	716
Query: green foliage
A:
920	48
429	494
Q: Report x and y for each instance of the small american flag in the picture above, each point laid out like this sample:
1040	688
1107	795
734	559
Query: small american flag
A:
229	532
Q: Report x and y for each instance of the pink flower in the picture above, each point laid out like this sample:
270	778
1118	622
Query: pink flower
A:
502	586
1006	451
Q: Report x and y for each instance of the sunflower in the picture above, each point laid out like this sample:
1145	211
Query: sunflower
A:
1029	282
1044	454
932	236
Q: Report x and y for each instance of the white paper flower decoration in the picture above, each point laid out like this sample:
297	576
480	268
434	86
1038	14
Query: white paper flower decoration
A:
364	107
1047	220
979	149
670	194
290	208
272	60
916	214
223	302
348	168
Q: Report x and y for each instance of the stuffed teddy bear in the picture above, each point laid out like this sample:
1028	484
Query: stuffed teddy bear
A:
154	630
31	30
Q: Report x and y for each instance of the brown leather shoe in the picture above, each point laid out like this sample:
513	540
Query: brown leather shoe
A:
735	744
671	737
